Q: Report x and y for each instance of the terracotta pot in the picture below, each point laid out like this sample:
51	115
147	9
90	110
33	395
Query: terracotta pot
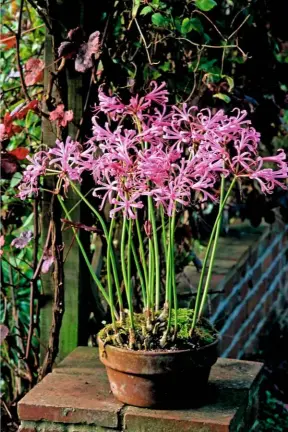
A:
158	379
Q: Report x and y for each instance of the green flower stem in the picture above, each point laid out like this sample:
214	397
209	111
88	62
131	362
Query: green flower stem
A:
139	271
122	252
164	239
129	286
94	276
103	225
213	252
174	288
79	202
201	281
109	277
168	295
171	273
156	253
151	274
151	264
141	251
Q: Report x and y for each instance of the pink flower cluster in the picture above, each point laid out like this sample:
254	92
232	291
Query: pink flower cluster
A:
150	149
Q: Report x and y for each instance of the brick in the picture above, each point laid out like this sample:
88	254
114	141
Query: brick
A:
27	427
82	402
231	381
83	360
41	427
83	398
169	421
50	427
86	428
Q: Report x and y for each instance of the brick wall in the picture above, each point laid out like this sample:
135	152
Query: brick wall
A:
253	289
76	397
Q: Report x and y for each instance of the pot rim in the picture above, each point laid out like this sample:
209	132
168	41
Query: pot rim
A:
158	352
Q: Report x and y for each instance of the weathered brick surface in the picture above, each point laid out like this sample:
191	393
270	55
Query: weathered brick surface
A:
170	421
68	398
42	426
83	360
76	398
27	427
230	382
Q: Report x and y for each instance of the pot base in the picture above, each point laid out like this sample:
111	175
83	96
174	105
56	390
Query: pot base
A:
159	379
160	391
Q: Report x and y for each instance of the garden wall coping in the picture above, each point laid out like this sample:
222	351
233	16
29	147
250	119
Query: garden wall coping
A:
76	397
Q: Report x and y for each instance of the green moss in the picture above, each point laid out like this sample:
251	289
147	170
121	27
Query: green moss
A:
204	330
152	335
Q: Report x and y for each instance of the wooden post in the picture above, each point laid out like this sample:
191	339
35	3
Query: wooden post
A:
69	15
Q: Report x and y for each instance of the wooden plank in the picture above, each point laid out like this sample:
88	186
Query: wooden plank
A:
71	95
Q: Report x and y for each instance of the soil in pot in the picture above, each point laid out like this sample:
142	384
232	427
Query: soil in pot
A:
153	374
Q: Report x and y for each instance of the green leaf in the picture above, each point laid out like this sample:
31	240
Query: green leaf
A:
146	10
189	24
230	82
196	25
165	67
205	5
177	22
159	20
223	97
155	3
15	179
186	26
29	119
136	4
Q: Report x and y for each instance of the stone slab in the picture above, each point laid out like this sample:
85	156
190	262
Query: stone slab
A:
229	385
72	398
77	392
83	360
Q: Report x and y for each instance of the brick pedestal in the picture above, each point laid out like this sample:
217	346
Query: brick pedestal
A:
76	398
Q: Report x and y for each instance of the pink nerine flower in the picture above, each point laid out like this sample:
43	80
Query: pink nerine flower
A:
30	179
159	94
60	116
173	155
109	105
127	205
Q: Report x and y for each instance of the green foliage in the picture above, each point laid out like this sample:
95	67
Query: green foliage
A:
160	20
189	24
205	5
222	96
17	216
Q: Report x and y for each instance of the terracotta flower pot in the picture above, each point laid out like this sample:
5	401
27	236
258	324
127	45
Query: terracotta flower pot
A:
158	379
